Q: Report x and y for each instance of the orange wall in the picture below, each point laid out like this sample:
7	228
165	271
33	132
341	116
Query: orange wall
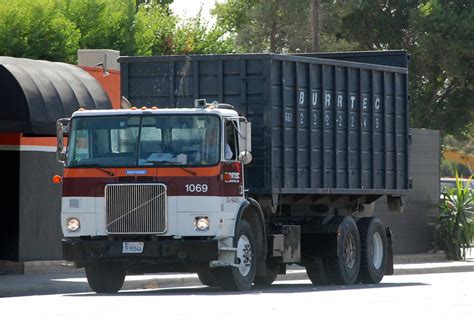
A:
17	139
110	83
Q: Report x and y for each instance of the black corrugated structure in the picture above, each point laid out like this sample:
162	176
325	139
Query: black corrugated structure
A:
36	93
33	95
323	124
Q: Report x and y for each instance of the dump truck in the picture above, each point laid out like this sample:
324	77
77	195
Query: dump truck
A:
233	166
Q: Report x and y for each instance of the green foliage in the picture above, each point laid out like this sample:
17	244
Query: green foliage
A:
55	29
439	35
36	29
266	25
380	24
157	33
154	30
443	77
103	23
454	227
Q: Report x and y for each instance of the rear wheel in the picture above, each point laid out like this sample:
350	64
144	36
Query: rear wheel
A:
241	277
344	268
105	277
374	250
316	272
269	278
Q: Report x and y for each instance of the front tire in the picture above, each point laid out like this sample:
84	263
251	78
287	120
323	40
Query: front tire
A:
105	277
374	250
208	277
269	278
240	278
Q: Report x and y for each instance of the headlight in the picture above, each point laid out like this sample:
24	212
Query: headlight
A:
201	223
73	224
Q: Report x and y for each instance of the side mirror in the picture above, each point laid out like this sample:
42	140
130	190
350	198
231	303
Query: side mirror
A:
62	128
245	141
245	157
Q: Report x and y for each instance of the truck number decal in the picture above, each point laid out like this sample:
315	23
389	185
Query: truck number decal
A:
190	187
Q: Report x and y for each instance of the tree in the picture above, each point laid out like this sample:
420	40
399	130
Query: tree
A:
158	33
36	29
284	25
103	23
316	24
266	25
439	36
443	64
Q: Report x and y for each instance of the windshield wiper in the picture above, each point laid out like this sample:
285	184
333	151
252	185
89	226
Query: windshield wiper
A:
109	173
183	168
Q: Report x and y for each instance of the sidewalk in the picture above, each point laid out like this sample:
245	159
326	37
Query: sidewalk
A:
42	278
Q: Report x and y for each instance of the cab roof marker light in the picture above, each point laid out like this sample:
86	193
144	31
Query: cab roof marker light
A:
200	103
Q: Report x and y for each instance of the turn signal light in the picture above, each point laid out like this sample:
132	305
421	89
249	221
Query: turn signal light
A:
57	179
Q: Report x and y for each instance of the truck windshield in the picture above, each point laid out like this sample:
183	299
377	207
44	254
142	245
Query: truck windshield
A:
144	140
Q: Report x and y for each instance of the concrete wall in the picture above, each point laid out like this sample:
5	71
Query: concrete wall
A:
412	230
39	207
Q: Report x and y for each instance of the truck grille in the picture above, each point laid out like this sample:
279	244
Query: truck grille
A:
136	208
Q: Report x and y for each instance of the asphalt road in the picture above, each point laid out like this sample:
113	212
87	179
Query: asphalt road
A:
402	296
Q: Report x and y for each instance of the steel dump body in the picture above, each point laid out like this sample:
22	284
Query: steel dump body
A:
322	124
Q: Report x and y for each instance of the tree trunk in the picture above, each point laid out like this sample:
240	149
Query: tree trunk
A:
316	24
273	35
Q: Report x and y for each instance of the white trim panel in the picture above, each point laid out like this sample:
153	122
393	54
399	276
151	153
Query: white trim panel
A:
28	148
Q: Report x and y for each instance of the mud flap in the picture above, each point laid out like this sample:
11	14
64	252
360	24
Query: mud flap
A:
389	270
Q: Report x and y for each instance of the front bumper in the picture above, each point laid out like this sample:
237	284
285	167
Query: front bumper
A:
166	251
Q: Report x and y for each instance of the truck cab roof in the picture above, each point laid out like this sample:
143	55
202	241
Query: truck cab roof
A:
222	112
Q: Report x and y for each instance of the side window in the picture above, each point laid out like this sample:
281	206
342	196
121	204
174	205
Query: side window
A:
230	141
82	145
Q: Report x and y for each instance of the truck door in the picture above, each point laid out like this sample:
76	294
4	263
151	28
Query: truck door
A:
232	168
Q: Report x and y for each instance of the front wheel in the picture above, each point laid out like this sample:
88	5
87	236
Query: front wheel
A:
105	277
270	276
208	277
240	277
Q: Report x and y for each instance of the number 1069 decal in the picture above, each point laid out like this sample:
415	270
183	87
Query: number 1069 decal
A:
191	187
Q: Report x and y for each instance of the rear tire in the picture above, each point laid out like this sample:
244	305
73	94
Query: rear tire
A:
105	277
240	278
267	280
344	269
316	272
374	250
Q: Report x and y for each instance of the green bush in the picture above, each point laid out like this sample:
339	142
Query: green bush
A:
454	228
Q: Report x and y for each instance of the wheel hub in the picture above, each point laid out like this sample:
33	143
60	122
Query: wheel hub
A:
244	255
350	250
377	250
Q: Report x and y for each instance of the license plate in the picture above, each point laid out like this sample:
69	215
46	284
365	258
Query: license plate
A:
132	247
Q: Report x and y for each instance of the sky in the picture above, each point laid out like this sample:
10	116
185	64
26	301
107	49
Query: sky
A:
190	8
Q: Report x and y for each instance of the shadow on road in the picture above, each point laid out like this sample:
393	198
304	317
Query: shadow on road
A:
274	289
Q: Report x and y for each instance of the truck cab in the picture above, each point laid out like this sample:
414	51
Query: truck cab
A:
152	189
